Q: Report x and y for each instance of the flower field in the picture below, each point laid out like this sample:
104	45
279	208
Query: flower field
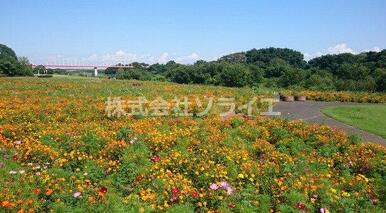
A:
59	152
342	96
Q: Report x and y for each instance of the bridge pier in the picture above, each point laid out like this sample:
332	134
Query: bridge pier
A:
95	71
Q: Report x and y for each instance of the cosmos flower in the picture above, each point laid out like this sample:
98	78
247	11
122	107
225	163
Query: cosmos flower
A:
175	190
195	193
229	190
224	184
213	186
300	206
12	172
76	194
103	190
155	158
15	157
49	191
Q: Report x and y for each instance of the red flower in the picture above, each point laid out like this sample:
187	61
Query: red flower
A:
195	194
102	191
300	206
139	177
15	157
175	191
231	205
155	158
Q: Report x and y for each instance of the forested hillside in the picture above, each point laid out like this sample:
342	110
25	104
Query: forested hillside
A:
273	67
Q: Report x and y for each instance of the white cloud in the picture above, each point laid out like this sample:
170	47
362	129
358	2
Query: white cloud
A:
119	56
188	59
163	58
374	49
308	56
340	48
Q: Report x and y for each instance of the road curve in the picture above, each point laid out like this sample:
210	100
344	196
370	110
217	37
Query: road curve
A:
309	111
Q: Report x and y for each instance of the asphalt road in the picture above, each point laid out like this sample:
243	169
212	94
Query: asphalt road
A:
309	111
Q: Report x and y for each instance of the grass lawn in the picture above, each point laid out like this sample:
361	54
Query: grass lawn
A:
367	117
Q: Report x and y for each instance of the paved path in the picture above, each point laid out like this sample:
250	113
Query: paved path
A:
309	111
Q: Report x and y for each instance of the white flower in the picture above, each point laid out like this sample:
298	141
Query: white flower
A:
12	172
21	171
134	140
17	142
76	194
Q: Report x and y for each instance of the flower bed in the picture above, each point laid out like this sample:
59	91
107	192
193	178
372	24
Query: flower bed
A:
345	96
59	152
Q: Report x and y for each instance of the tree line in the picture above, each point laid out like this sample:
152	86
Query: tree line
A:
272	68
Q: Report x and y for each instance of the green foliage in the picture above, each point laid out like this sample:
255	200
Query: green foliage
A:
91	143
266	55
134	73
135	161
10	65
272	68
7	53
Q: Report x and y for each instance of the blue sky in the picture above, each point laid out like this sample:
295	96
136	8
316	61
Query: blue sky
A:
157	31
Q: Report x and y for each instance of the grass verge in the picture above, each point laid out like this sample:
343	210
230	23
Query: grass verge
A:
371	118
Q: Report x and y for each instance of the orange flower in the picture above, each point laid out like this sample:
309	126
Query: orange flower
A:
49	191
36	191
7	204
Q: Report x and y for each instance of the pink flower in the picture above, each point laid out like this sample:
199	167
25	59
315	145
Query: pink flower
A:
76	194
229	190
155	158
214	186
300	206
224	184
17	142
